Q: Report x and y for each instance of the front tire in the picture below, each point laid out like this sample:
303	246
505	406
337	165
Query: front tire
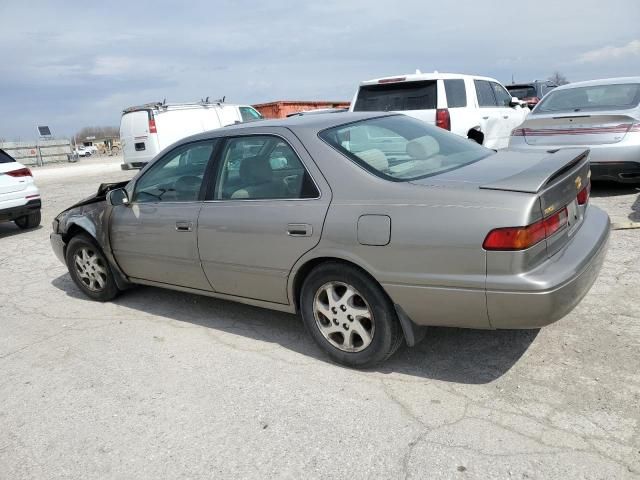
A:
349	316
29	221
90	270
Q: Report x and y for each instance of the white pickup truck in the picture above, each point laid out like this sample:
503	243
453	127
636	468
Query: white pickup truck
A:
479	108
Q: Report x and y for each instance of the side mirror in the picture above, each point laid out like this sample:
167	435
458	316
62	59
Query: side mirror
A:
515	102
116	197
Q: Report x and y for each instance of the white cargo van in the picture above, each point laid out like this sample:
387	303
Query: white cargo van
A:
478	108
145	130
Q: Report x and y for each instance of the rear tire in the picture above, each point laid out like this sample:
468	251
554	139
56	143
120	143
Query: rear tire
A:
89	269
29	221
349	316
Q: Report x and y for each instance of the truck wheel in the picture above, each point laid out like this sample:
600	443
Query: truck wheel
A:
29	221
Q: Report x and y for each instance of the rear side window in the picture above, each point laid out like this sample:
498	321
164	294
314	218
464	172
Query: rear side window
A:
596	97
249	114
456	93
5	157
486	98
397	97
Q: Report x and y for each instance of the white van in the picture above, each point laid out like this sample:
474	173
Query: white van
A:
145	130
479	108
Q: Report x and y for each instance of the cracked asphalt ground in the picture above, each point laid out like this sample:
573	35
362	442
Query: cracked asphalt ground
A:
162	384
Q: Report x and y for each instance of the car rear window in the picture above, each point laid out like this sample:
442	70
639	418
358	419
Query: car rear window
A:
456	93
5	157
398	96
596	97
401	148
522	91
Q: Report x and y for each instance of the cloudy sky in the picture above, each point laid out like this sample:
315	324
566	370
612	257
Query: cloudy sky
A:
71	64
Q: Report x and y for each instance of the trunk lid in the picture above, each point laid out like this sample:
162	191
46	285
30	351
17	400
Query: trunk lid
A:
575	129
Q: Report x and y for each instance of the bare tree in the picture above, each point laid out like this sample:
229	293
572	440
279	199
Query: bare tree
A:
558	78
98	132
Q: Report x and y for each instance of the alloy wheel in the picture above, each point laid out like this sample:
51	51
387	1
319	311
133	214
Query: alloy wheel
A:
90	268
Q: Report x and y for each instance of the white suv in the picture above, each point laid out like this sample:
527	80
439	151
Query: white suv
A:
19	196
479	108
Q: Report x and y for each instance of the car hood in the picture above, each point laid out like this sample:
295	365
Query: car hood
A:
508	170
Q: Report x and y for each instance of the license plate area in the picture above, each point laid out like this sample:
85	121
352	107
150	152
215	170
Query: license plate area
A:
573	217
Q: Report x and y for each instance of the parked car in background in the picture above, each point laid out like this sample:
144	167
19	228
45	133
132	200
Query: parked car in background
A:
81	151
19	196
531	92
146	130
478	108
602	115
372	226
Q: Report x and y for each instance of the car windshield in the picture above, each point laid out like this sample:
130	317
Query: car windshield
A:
397	96
521	91
400	148
597	97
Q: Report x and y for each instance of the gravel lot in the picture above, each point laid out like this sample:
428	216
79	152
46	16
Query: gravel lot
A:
162	384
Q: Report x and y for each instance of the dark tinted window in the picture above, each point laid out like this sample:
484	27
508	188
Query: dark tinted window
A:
596	97
522	91
249	114
456	93
486	98
401	148
544	89
262	167
5	157
397	97
502	96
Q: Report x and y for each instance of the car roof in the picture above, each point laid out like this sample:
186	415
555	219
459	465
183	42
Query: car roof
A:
415	77
603	81
298	122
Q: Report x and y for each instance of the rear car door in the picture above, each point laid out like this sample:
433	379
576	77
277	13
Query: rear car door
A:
154	237
264	212
511	117
490	115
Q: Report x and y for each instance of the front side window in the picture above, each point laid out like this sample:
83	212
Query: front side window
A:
260	167
502	96
399	96
176	177
400	148
249	114
597	97
486	98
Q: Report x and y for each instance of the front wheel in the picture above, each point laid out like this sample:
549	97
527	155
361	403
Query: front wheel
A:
90	270
349	315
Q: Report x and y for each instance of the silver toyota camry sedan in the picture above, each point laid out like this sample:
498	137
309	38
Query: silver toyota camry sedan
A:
371	226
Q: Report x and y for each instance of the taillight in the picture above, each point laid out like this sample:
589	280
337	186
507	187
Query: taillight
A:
521	238
443	120
634	128
152	125
583	195
21	172
517	132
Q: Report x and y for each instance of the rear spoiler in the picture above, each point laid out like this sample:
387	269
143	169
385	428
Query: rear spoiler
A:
543	173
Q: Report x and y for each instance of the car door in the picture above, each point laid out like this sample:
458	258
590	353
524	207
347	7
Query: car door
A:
511	116
490	115
266	209
154	236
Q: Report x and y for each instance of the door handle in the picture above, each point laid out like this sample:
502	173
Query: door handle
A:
485	118
505	116
299	230
184	226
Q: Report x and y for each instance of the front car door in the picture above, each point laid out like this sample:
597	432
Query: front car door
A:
265	210
154	237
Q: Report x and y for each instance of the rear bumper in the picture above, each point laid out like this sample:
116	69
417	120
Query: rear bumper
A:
619	162
552	290
58	246
9	214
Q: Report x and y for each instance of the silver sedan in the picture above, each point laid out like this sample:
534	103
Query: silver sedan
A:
371	226
602	115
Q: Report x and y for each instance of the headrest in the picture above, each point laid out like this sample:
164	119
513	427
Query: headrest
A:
255	170
374	157
423	147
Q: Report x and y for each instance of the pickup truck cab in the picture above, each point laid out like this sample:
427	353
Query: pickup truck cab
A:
479	108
